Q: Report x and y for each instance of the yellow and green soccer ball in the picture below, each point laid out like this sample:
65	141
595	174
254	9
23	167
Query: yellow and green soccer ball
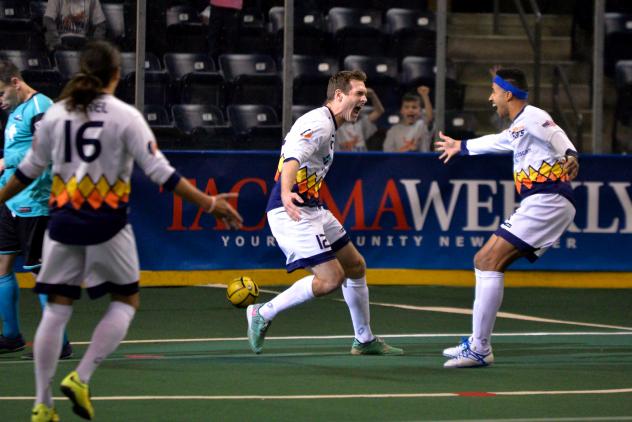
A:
242	291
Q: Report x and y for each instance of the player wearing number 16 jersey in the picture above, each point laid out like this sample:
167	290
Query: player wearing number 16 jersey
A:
92	140
309	235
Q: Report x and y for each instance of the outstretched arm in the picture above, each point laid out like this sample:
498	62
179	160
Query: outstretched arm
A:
216	205
448	147
424	91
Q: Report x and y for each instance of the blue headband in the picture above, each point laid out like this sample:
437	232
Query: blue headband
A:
517	92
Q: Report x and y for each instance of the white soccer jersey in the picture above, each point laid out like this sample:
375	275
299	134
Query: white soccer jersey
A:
92	160
310	141
539	147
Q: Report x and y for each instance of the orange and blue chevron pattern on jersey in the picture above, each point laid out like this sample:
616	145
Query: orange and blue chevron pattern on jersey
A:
88	192
546	173
308	184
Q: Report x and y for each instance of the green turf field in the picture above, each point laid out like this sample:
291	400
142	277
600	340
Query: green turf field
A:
561	355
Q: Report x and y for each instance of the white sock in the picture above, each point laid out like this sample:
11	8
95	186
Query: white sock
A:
106	337
489	296
299	292
356	294
46	347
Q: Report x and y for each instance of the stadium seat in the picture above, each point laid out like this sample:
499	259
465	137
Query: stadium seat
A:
117	30
418	71
460	125
36	70
618	38
299	110
311	75
382	76
25	59
196	78
47	81
157	82
310	36
67	63
252	79
16	25
204	127
256	126
185	30
413	32
160	122
357	31
253	37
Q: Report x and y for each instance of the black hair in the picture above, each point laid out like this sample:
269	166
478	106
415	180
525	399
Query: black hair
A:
99	63
516	77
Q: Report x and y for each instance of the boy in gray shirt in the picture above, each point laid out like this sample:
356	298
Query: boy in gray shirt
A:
73	19
412	133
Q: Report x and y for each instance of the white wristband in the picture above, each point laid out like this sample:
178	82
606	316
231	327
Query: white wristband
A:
212	207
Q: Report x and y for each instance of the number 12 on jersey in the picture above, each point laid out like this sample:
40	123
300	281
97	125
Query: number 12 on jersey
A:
86	140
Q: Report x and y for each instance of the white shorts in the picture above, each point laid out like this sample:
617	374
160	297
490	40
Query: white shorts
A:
538	223
308	242
108	267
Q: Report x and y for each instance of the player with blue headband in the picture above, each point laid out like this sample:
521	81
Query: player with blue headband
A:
545	162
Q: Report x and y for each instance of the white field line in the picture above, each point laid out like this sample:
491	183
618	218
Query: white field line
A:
567	419
346	396
333	337
465	311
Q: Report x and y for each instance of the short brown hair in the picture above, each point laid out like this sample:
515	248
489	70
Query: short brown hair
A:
342	80
8	70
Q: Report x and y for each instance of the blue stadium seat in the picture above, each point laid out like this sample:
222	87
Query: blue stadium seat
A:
256	126
185	30
618	39
204	127
310	36
196	78
252	79
382	76
413	32
357	31
311	76
160	122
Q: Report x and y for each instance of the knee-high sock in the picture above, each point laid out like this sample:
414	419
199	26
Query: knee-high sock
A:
43	300
9	299
106	337
47	344
299	292
490	288
356	294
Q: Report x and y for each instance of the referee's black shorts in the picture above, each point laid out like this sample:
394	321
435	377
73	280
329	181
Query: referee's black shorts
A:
22	235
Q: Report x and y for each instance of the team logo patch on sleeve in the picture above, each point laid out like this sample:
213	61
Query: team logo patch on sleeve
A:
307	134
549	123
152	147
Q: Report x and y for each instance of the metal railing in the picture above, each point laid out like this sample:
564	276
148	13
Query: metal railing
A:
534	35
559	78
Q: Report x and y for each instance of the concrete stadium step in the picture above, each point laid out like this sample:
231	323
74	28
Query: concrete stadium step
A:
477	70
505	47
477	94
510	24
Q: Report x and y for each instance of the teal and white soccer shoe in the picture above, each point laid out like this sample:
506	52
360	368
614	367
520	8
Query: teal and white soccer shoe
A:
257	328
452	352
377	346
468	358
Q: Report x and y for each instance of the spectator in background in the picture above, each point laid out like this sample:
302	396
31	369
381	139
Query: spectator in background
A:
413	132
70	23
223	24
352	136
